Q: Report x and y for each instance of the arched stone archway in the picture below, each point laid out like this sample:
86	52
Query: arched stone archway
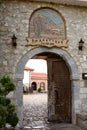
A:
73	74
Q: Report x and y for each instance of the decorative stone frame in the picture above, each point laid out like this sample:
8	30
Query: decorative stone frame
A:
43	41
73	73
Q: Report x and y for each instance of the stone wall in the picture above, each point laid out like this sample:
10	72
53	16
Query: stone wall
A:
14	19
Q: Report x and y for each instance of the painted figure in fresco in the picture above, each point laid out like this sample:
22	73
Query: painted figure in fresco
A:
38	25
47	23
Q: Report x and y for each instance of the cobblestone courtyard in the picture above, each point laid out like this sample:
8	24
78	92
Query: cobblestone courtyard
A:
35	114
35	110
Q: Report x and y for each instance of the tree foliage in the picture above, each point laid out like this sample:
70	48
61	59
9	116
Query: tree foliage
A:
7	109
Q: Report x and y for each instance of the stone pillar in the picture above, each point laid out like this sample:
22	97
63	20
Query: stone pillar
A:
76	103
19	99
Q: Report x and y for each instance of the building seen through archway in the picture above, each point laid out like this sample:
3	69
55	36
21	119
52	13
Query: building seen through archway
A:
35	78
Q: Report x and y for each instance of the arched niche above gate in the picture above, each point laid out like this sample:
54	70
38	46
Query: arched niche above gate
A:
47	28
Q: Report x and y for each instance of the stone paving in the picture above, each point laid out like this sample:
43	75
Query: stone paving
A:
35	114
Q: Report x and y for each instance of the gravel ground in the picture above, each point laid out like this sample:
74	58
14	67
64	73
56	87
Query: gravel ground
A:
35	110
35	114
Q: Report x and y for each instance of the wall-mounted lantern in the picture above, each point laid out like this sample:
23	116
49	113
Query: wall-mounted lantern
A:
14	38
81	44
84	76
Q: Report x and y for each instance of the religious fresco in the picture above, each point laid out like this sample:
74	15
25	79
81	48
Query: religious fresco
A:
47	23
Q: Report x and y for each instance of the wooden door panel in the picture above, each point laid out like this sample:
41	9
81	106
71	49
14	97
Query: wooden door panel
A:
62	91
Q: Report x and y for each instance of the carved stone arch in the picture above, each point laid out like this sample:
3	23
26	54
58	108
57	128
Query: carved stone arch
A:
50	9
73	72
70	62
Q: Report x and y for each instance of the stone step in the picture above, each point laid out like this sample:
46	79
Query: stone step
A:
55	127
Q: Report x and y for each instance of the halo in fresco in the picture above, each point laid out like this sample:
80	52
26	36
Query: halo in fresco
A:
47	23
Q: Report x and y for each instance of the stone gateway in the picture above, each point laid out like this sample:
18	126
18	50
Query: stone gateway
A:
52	30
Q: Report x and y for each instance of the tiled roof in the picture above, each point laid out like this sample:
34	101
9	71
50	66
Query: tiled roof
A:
38	76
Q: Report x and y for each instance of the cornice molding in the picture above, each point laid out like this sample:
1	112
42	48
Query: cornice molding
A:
65	2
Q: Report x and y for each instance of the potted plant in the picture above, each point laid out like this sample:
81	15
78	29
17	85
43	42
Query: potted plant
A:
7	109
39	89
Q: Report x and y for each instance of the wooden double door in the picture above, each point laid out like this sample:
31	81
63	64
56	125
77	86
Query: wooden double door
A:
59	91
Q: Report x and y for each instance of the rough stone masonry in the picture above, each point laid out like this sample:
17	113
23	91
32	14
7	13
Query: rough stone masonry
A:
15	19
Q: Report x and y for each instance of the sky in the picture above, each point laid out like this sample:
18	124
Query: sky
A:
38	65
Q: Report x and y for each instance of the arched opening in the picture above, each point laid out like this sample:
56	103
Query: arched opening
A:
59	92
34	86
51	56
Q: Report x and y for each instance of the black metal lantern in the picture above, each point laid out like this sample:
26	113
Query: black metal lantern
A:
14	38
81	44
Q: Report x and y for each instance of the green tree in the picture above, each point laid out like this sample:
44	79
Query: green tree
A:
7	109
